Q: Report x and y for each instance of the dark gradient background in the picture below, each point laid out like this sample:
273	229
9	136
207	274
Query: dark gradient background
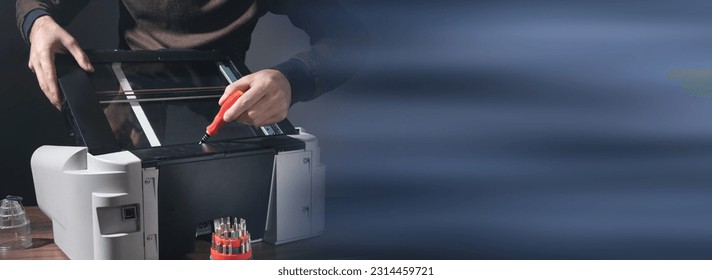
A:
478	129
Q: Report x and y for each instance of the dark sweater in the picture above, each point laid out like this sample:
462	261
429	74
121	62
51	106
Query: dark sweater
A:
337	39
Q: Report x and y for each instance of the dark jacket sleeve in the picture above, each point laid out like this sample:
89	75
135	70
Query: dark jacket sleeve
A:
27	11
338	46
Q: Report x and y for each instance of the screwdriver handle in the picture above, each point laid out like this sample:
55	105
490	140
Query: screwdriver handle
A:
213	128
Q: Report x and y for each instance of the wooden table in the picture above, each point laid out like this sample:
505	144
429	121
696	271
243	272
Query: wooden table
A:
44	248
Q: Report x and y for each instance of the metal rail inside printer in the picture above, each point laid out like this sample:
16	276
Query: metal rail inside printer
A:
142	113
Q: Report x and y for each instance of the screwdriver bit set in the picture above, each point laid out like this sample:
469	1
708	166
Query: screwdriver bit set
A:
231	240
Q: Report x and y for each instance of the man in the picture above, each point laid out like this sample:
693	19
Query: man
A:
224	25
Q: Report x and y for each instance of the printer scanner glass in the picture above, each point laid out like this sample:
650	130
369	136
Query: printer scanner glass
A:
150	104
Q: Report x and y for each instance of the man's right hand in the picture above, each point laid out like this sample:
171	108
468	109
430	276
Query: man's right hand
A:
47	38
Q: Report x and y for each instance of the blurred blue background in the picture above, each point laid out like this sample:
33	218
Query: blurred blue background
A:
480	129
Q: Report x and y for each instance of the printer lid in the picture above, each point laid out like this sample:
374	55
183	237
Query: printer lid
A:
153	100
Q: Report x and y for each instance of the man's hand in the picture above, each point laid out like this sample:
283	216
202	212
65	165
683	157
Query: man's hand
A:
46	39
266	100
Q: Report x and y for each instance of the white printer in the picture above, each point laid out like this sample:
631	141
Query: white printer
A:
138	186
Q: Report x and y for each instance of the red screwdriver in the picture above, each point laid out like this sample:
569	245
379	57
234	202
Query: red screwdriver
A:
213	128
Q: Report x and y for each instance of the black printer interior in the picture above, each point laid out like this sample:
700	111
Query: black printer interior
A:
176	100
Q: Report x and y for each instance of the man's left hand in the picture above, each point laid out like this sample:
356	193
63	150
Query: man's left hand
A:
266	100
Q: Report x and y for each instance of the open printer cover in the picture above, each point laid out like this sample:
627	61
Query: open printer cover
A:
137	185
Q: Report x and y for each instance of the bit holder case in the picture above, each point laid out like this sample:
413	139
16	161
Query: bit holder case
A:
231	241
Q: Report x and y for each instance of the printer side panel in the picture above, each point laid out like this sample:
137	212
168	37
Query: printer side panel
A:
293	178
318	182
297	198
80	192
